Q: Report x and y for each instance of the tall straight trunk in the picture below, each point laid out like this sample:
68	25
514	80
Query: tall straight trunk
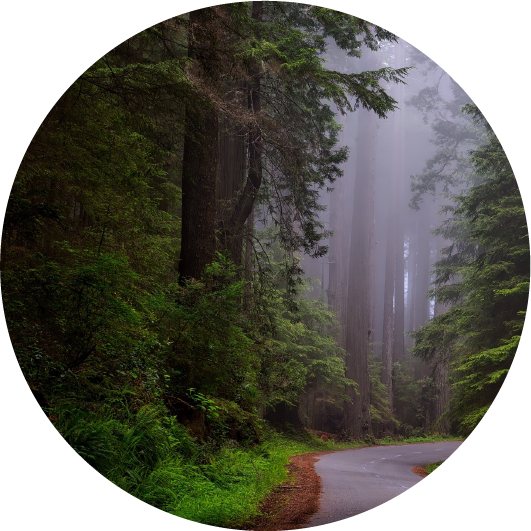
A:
360	297
401	180
231	177
393	325
422	280
399	346
337	255
389	290
411	276
442	365
200	160
249	247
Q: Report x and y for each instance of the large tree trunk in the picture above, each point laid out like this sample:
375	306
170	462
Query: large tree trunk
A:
389	290
231	169
249	248
200	160
360	290
338	257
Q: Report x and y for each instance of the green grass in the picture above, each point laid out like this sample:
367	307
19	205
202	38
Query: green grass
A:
240	480
433	466
411	440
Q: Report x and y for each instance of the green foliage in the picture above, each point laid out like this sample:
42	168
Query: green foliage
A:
485	276
407	398
381	413
298	90
434	466
152	457
298	335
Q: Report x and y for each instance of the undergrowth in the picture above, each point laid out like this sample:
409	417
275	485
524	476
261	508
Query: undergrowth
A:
152	457
412	440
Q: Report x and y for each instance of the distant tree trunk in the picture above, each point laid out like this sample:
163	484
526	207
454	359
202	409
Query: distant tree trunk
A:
422	306
422	279
389	290
360	298
411	276
337	255
200	160
398	350
442	363
400	166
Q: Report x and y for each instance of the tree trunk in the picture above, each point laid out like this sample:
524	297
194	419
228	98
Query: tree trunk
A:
401	180
442	363
231	169
200	160
411	276
246	199
249	247
338	256
360	297
389	290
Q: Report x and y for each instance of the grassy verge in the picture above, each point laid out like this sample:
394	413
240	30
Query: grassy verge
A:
411	440
153	458
241	479
433	466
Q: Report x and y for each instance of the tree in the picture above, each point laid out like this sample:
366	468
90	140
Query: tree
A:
275	61
360	328
484	276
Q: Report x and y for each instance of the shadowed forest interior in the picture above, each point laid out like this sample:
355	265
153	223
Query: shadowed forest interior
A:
252	224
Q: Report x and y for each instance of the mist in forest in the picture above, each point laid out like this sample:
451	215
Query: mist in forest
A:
396	190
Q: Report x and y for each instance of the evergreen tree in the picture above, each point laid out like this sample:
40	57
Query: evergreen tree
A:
484	276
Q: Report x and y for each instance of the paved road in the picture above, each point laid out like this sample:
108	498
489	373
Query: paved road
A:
355	481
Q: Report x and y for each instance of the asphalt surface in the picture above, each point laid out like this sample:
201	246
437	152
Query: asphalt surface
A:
354	481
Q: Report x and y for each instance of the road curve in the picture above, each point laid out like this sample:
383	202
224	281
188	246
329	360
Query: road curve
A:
354	481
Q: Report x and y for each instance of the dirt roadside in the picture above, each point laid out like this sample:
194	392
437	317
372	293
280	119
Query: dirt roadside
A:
292	504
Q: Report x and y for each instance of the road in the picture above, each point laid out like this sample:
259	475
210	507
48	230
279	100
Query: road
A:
354	481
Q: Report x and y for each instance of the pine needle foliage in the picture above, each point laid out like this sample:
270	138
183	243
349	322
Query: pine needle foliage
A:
485	276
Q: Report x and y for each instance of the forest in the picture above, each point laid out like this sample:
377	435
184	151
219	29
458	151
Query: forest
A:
251	223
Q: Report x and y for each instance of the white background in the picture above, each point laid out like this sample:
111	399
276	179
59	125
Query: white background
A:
45	46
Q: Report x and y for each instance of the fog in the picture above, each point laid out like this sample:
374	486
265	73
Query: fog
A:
400	208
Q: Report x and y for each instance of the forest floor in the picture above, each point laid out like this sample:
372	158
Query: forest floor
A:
292	504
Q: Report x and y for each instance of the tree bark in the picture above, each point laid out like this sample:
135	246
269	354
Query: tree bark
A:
389	290
231	170
200	160
360	291
338	253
